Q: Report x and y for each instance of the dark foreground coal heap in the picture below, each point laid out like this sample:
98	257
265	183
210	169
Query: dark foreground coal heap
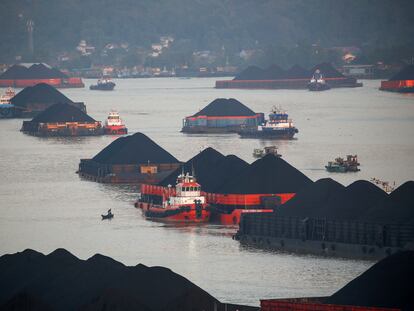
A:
61	281
407	73
360	201
61	113
389	283
41	93
35	71
225	107
211	168
270	174
134	149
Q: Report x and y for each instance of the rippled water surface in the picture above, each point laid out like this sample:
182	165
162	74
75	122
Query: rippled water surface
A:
44	205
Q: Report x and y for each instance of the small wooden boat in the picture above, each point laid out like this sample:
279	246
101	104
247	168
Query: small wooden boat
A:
109	215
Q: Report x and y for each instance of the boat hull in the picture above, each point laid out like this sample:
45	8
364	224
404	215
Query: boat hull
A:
318	87
115	130
103	87
182	214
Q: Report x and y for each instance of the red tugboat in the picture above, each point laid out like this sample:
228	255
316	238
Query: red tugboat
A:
114	124
187	205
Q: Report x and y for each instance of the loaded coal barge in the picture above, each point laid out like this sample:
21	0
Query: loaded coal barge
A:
132	159
62	120
279	126
24	75
402	82
296	77
184	203
222	116
325	218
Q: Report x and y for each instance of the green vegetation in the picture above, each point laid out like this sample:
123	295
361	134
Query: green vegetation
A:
283	30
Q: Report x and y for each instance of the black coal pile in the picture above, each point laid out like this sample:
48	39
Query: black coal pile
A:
35	71
387	284
354	200
61	113
225	107
134	149
250	73
327	70
60	281
211	168
311	200
274	72
399	208
297	72
41	93
269	174
407	73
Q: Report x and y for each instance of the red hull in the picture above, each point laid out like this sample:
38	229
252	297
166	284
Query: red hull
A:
174	215
57	82
234	217
115	130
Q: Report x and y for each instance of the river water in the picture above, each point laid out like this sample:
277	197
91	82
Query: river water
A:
44	205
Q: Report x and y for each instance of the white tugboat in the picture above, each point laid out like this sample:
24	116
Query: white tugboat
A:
114	124
279	126
184	203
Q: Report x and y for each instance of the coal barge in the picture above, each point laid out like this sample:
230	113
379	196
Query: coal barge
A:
222	116
24	75
402	82
132	159
326	218
296	77
279	126
232	187
62	120
32	100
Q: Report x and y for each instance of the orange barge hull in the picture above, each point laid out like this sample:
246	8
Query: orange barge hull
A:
399	86
58	82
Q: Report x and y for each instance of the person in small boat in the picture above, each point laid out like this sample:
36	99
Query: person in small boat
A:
109	212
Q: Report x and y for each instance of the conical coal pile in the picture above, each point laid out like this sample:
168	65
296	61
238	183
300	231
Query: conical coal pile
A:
270	174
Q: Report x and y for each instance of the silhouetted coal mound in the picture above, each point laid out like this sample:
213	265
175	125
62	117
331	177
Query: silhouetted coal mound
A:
61	113
134	149
225	107
354	200
327	70
269	174
274	72
63	282
401	208
41	93
386	284
250	73
211	169
35	71
297	72
309	201
25	301
407	73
